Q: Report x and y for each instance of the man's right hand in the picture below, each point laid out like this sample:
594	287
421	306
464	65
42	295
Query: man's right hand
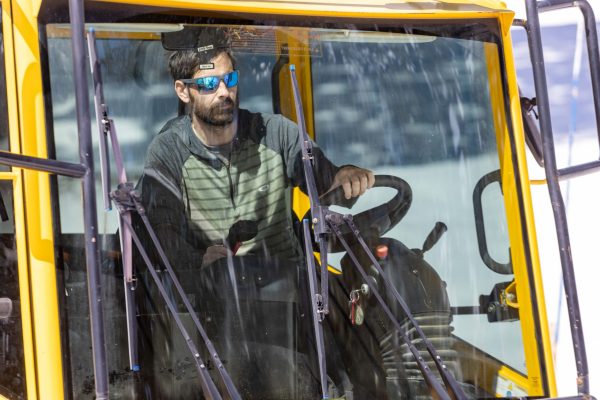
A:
354	180
213	253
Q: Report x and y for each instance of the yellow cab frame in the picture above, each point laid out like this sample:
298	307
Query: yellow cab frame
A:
39	305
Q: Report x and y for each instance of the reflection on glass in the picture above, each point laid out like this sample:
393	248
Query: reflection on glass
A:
421	110
12	362
4	145
406	105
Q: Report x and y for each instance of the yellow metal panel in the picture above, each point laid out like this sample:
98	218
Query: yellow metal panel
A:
294	39
523	176
330	267
446	5
340	8
64	31
513	214
532	347
298	39
510	381
44	296
11	85
300	203
19	215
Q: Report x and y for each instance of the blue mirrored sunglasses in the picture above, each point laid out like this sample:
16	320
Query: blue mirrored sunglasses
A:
208	83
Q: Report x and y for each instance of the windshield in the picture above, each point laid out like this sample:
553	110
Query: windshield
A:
414	102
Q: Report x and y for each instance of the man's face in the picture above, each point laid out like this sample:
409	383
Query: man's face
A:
217	107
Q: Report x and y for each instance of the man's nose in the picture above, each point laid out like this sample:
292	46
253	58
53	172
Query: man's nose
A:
222	89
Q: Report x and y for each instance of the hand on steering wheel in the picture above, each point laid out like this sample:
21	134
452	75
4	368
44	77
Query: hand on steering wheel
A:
375	221
353	180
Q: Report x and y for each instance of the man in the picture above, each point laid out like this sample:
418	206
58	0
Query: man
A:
206	171
220	164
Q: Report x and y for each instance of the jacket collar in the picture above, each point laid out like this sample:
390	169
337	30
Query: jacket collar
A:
197	148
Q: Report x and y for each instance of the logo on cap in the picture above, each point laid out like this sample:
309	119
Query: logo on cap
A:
206	48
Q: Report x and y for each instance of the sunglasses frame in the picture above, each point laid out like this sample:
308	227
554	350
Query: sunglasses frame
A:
199	82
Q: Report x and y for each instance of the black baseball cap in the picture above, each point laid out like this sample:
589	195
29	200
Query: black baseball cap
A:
200	38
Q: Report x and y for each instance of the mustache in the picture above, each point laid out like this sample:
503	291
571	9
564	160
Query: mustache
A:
226	102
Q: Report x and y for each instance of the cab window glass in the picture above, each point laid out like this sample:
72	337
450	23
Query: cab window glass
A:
412	105
12	364
141	99
427	117
134	65
4	144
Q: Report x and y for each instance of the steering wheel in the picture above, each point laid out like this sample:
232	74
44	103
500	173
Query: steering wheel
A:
376	221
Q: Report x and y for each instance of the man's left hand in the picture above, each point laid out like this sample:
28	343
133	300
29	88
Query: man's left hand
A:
354	180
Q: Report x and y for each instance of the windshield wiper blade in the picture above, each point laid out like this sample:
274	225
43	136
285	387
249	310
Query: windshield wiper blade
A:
316	302
319	299
325	222
128	199
106	127
317	211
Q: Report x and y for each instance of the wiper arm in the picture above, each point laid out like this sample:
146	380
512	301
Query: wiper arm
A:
127	201
325	222
106	127
319	299
318	212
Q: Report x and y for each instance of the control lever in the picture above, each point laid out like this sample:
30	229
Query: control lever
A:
240	232
434	236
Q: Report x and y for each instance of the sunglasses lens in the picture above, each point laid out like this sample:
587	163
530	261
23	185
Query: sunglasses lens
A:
210	82
231	79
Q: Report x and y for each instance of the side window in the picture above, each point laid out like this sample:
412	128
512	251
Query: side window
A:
12	365
3	106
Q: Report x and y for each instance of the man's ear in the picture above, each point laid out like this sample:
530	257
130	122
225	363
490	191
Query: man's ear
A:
182	91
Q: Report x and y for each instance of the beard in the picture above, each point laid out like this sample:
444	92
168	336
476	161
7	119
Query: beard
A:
220	114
